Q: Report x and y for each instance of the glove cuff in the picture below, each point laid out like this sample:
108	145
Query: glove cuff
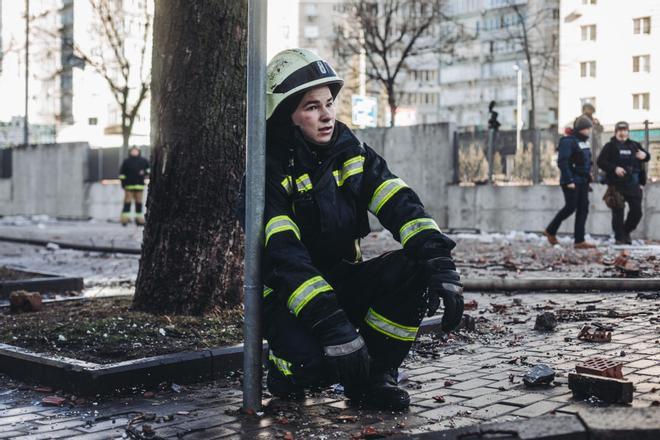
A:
334	330
344	349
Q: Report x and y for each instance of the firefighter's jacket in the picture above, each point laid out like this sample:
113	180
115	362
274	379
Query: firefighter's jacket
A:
132	172
316	212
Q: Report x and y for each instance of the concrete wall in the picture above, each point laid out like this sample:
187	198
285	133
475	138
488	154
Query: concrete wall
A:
422	156
530	208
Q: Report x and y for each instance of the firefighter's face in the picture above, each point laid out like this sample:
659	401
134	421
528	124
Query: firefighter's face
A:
315	115
622	135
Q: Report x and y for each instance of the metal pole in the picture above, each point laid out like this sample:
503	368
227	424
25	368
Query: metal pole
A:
490	153
647	141
255	197
26	131
518	107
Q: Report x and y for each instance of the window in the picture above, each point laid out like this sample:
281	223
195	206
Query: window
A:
589	2
589	32
311	31
588	69
642	25
92	121
642	63
641	101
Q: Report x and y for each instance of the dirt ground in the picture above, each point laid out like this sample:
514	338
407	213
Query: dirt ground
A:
107	331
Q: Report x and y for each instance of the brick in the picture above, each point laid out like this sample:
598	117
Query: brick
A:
600	367
607	389
538	408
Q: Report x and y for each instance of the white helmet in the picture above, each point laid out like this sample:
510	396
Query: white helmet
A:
293	71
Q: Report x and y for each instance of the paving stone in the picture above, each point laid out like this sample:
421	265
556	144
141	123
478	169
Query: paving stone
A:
525	399
653	371
496	410
20	418
475	392
101	435
446	411
538	408
643	363
472	383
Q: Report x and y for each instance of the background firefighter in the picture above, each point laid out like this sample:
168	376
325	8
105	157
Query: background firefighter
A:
622	160
329	316
132	173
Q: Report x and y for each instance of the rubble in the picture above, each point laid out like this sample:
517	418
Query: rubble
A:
598	335
607	389
538	375
600	367
471	305
22	301
545	322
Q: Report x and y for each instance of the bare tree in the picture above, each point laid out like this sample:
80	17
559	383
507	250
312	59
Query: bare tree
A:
128	77
389	33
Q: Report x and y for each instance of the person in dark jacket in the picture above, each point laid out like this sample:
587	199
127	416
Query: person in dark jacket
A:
622	160
328	315
132	173
574	161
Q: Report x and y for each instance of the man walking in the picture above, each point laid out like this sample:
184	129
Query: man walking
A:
622	160
574	161
131	174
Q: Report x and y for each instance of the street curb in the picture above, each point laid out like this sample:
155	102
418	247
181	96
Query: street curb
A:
612	423
91	378
74	246
560	284
46	282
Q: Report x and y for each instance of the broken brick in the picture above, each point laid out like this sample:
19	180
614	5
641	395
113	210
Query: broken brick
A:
600	367
596	336
53	401
471	305
607	389
439	398
22	301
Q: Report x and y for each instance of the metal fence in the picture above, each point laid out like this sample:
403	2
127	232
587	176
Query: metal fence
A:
104	163
509	163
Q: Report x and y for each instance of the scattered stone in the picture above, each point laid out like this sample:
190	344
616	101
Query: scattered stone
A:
642	295
538	375
471	305
545	322
347	418
53	401
439	398
289	436
600	367
148	431
468	323
43	389
449	383
148	394
22	301
597	336
607	389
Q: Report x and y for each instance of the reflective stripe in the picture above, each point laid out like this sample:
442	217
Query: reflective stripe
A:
122	176
281	223
281	364
351	167
134	187
413	227
344	349
358	251
306	292
390	328
288	185
126	215
384	192
303	183
267	291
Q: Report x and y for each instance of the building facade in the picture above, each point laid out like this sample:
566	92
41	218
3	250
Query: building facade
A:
610	57
67	94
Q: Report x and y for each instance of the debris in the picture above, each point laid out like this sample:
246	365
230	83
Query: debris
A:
499	308
289	436
22	301
347	418
655	295
147	430
517	301
590	308
449	383
43	389
371	432
471	305
625	265
176	388
545	322
53	401
539	374
607	389
439	398
600	367
148	394
596	336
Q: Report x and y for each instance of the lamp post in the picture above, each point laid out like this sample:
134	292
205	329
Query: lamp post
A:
519	121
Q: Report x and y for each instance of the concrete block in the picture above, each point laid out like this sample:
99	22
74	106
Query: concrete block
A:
605	388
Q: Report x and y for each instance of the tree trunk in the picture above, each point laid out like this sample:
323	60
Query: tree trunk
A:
192	250
391	101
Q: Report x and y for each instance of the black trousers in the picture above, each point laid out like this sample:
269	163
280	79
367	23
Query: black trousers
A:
623	228
575	201
383	298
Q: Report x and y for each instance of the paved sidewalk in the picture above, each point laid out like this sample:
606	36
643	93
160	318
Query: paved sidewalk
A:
477	373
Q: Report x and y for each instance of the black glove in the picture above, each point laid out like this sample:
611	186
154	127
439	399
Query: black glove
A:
344	349
445	283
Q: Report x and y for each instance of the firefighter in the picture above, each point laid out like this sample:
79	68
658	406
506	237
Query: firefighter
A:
132	173
328	315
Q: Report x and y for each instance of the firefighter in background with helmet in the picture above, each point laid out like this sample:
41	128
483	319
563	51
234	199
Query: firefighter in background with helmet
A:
328	315
134	169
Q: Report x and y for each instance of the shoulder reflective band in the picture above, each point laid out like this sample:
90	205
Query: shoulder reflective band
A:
281	223
306	292
281	364
288	184
351	167
267	291
303	183
413	227
390	328
344	349
384	192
